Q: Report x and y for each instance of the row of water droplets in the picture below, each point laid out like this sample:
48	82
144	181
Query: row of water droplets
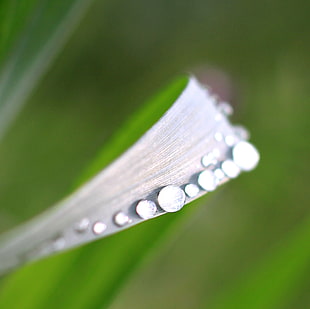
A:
240	156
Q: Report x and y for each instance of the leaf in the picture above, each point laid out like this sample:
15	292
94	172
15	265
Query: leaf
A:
89	277
274	282
31	34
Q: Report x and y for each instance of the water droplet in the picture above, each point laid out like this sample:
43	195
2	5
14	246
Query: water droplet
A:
218	136
146	209
208	159
191	190
121	219
219	174
230	140
59	243
171	198
241	132
225	108
207	180
230	168
82	226
99	227
245	155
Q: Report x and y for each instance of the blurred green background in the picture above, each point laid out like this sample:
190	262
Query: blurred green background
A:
248	245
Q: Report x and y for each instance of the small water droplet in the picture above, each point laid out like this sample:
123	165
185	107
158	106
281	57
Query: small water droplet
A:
241	132
208	159
225	108
121	219
230	168
230	140
191	190
99	227
219	174
207	180
82	226
59	243
146	209
218	136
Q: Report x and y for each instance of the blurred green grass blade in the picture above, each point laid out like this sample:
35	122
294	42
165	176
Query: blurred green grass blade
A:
32	32
275	282
14	16
90	276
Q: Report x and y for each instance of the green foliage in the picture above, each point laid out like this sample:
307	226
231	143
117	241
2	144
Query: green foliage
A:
247	249
31	33
97	270
273	283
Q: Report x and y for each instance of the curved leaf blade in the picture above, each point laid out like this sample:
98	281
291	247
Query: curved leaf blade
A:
98	270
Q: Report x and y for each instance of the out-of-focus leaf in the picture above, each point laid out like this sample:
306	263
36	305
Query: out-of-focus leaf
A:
31	33
90	276
273	283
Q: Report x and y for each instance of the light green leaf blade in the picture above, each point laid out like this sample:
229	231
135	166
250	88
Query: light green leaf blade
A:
31	34
89	277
